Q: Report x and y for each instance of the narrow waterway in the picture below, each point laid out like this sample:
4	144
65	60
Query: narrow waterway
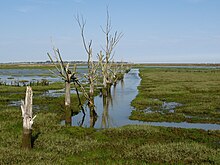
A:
116	109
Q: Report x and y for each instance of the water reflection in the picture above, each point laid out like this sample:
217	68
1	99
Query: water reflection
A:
114	111
107	101
93	116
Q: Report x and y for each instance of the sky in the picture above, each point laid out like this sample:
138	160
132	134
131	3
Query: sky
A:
154	31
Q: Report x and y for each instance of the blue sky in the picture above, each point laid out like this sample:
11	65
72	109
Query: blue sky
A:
154	30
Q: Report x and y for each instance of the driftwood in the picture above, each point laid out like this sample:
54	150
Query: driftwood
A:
28	120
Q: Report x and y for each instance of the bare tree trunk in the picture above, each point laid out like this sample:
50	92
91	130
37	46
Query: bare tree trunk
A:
67	94
65	73
26	138
67	90
68	111
109	89
26	108
91	87
104	81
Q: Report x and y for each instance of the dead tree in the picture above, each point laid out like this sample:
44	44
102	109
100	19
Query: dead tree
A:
118	73
28	120
68	76
64	72
106	74
92	69
106	60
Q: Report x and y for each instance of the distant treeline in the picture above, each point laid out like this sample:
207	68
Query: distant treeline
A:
49	62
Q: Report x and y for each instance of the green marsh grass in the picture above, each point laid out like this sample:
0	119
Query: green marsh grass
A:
198	90
54	143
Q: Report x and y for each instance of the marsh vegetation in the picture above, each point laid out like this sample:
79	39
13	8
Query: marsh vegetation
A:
195	93
130	144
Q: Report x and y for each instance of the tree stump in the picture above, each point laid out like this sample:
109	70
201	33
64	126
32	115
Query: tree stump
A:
26	109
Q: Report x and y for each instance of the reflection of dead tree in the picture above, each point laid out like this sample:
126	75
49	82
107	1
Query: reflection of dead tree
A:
82	121
105	114
26	108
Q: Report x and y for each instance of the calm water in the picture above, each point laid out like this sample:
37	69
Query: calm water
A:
116	110
9	76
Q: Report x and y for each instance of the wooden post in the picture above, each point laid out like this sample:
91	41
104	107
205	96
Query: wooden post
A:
26	109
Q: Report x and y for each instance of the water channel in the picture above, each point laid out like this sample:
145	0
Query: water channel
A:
116	110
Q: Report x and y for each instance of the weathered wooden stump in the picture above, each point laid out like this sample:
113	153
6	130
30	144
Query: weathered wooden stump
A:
26	138
26	109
